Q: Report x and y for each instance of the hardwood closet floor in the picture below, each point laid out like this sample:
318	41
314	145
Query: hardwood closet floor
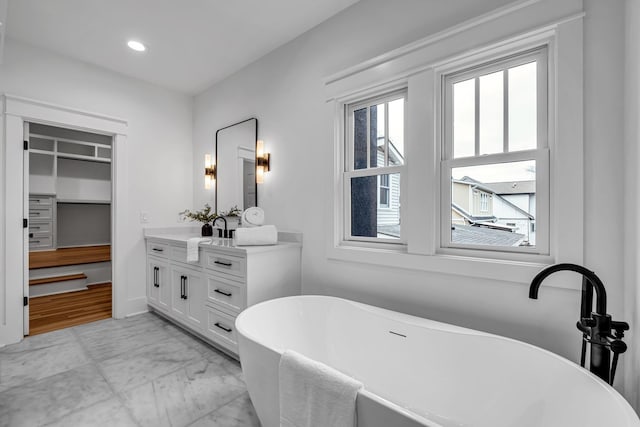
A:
53	312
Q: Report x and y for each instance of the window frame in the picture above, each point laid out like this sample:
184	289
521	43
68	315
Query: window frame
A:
349	171
541	154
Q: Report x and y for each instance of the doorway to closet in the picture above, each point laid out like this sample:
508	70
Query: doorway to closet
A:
69	231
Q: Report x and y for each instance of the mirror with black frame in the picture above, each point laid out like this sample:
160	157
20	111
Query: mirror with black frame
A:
236	166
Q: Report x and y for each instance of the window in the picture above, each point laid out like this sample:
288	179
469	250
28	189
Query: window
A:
384	191
484	202
374	167
495	155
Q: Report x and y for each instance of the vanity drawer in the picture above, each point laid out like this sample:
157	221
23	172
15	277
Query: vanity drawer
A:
179	253
224	263
40	201
221	328
226	293
38	212
158	249
41	227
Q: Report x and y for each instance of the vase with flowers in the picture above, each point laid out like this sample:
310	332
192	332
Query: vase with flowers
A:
205	216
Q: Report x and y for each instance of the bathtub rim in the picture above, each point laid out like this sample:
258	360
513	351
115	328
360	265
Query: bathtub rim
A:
630	413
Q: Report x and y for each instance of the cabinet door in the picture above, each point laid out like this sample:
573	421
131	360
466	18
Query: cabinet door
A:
152	282
164	282
195	296
158	283
187	295
178	303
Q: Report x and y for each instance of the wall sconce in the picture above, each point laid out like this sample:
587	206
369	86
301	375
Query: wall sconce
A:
262	161
209	172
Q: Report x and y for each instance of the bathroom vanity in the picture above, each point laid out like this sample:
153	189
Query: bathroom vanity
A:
206	296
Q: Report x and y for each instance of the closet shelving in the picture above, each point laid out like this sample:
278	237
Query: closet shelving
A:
73	170
69	148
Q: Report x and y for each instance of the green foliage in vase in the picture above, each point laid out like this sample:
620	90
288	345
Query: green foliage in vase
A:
234	211
204	216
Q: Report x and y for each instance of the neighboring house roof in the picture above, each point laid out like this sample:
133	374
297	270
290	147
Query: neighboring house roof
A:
487	188
515	187
472	235
395	156
466	215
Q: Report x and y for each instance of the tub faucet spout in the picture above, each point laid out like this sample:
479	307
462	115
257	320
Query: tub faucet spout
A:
596	327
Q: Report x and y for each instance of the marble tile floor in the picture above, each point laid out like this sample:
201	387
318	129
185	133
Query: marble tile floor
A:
139	371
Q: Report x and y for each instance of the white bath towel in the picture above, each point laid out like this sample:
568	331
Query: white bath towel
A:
253	217
192	248
313	394
256	236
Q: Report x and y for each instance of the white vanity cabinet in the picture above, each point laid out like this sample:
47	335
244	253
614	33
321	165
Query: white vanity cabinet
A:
205	297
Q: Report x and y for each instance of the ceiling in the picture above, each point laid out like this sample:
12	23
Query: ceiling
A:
191	44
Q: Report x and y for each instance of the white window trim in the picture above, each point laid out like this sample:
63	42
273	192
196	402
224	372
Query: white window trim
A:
415	66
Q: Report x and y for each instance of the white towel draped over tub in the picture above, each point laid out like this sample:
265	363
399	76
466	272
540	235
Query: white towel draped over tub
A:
255	236
313	394
192	248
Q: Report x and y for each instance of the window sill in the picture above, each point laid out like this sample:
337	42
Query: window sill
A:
486	268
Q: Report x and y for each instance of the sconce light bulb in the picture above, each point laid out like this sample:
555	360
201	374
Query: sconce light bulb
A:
259	148
259	174
207	160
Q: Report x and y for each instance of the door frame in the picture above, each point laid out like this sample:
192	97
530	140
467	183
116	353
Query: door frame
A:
16	111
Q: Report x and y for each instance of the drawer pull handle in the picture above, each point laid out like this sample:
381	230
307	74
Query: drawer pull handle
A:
222	327
157	250
36	213
33	226
226	264
34	241
226	294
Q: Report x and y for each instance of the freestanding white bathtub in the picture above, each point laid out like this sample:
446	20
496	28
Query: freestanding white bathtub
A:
418	372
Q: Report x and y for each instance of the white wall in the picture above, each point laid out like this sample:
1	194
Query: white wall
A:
632	192
285	91
159	143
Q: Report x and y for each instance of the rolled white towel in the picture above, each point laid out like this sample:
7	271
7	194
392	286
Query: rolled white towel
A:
256	236
253	217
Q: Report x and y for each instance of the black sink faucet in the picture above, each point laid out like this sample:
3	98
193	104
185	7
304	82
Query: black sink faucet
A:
596	327
226	232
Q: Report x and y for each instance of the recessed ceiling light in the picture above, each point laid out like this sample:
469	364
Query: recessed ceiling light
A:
137	46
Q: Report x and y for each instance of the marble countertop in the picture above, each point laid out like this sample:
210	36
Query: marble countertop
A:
180	235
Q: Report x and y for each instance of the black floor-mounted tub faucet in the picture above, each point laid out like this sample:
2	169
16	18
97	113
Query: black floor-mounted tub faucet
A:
603	334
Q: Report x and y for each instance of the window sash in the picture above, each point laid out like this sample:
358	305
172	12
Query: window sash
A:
539	55
542	219
350	131
346	189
